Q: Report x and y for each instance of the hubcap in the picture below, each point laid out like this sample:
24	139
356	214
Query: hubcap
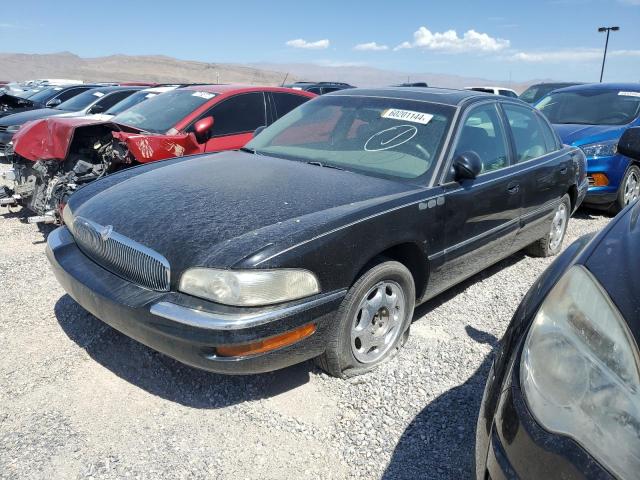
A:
631	188
377	322
558	226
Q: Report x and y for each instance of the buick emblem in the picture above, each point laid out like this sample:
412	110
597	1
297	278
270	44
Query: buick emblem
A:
105	232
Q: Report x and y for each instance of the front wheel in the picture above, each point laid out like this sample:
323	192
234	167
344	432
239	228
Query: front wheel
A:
372	322
551	243
629	189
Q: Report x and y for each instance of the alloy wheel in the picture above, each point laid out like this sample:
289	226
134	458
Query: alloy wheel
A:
631	187
558	226
377	322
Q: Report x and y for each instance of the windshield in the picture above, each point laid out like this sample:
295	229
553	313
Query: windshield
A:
591	107
40	95
82	101
130	101
390	138
163	112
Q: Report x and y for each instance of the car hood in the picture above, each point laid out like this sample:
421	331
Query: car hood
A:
614	262
577	135
23	117
50	138
217	209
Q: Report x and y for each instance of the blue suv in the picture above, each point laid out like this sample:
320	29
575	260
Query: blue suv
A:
593	117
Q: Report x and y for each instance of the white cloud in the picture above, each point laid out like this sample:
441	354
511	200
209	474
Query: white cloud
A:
370	47
300	43
573	56
450	42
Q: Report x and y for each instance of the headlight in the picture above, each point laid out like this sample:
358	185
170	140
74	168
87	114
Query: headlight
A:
13	128
596	150
67	217
580	372
249	287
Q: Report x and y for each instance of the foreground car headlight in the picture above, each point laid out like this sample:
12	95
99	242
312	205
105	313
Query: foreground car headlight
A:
67	217
13	128
596	150
580	372
249	287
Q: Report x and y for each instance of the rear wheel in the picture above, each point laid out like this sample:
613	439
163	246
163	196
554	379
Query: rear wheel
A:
372	322
551	243
629	189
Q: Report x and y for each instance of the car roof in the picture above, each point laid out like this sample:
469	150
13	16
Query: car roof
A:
230	88
114	88
634	87
445	96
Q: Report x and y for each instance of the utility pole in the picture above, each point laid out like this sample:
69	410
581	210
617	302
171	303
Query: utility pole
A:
606	45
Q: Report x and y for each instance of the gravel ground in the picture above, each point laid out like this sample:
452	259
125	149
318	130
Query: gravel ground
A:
80	400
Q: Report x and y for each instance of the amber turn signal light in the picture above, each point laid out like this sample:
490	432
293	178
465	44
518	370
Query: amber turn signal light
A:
599	180
267	344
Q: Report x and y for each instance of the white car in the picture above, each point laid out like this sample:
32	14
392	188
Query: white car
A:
130	101
505	92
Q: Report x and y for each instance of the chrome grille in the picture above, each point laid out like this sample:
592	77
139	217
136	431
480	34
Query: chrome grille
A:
121	255
3	128
591	181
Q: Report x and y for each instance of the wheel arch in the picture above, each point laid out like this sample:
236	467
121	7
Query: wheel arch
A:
411	256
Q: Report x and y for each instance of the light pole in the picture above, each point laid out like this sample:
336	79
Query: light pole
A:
606	45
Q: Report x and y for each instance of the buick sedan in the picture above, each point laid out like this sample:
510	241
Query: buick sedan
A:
318	238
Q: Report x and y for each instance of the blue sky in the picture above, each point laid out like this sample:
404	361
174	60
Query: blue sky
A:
493	39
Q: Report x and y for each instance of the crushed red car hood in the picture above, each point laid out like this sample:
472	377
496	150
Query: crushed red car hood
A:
149	148
50	138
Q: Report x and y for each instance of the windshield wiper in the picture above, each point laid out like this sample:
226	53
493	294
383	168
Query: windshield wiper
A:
325	165
248	150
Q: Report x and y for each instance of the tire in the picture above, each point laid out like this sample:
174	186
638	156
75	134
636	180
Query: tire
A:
629	189
359	341
551	243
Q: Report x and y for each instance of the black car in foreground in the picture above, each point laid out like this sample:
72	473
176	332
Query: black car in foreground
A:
563	395
320	236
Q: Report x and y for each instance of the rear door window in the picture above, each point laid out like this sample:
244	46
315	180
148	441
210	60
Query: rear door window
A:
527	132
110	100
72	92
285	102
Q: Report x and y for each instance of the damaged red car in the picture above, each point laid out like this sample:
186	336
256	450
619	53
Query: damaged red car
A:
53	157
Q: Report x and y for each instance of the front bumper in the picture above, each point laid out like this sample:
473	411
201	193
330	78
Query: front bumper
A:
184	327
614	167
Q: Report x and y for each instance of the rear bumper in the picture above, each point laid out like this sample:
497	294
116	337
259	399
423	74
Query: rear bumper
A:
186	328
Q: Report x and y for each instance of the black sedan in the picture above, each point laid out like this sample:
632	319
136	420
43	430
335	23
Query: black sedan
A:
323	233
563	395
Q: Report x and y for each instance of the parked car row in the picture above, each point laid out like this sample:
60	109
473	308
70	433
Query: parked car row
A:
80	148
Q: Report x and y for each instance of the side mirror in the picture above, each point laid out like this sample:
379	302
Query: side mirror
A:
202	129
629	144
467	165
96	109
258	130
54	102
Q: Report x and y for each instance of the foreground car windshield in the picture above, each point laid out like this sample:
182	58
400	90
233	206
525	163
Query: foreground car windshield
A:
159	114
383	137
591	107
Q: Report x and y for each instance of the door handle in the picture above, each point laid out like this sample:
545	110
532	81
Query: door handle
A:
563	170
513	188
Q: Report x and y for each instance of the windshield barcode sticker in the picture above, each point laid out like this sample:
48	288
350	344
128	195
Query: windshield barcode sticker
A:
629	94
98	94
407	115
205	95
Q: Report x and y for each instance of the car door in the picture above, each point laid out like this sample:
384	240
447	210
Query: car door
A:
547	166
235	120
481	216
